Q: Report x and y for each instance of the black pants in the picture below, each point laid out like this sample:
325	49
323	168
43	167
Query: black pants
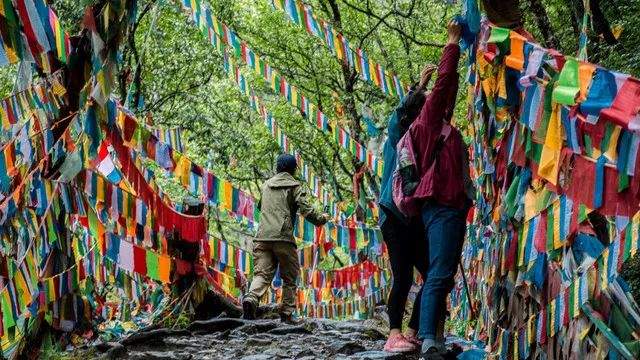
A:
407	249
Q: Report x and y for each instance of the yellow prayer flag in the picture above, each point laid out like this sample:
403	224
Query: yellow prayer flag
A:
183	170
100	185
11	54
228	195
22	289
610	152
294	96
550	158
557	243
338	45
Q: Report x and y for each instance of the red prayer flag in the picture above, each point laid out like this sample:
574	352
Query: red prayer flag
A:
626	105
139	260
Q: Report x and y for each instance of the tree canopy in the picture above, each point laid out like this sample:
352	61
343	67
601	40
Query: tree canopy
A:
170	75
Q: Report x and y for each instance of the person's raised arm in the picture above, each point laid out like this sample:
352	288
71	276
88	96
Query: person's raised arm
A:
307	210
438	103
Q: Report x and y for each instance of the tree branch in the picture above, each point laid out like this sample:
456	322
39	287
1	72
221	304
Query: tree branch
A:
370	13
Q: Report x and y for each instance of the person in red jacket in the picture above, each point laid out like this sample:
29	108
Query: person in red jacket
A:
440	161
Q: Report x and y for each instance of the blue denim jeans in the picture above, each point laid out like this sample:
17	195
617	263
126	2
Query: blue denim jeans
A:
444	231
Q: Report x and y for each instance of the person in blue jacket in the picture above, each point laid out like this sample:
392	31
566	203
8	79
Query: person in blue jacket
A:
403	236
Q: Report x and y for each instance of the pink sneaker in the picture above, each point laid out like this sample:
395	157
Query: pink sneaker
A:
398	344
413	339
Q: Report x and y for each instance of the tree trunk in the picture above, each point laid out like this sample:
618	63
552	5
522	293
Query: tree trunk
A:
503	13
576	15
601	24
350	77
544	24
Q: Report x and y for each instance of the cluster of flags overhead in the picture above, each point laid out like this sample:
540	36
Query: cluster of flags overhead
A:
49	205
229	264
192	176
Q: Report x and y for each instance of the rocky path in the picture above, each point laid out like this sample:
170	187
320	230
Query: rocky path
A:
226	338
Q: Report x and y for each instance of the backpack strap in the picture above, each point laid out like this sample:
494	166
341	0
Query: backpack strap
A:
440	141
445	132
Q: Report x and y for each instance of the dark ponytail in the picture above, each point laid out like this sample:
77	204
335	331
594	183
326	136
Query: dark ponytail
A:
411	108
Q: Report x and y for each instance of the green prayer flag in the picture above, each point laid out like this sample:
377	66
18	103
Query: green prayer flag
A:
588	145
152	265
498	35
623	182
627	242
582	213
93	224
7	314
572	294
550	229
568	84
75	278
51	231
541	130
510	198
608	132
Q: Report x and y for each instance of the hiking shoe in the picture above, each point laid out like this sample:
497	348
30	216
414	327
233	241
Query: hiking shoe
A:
398	344
433	354
289	320
249	310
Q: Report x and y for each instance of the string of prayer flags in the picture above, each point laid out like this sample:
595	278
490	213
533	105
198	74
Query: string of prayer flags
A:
220	36
302	14
191	228
193	177
41	101
129	256
45	207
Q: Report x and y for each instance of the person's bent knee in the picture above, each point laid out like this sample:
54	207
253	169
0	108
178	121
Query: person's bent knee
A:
437	284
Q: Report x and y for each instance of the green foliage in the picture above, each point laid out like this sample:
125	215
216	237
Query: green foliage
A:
180	321
459	327
338	258
631	273
54	350
7	80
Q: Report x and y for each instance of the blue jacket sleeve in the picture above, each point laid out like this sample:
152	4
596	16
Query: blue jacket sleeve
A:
389	157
